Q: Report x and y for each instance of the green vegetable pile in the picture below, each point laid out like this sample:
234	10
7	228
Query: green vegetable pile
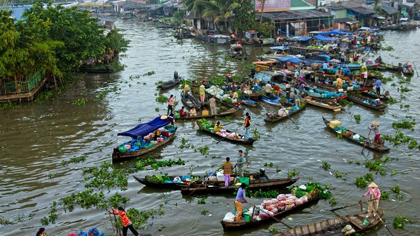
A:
324	192
157	178
205	125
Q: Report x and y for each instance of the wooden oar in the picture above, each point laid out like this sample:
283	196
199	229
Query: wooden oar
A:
288	226
338	208
366	141
380	218
112	223
415	67
287	113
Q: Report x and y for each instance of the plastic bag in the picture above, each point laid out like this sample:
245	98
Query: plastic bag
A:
229	217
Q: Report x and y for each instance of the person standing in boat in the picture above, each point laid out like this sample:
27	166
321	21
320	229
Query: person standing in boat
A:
378	84
240	198
212	102
227	171
375	128
247	124
170	104
268	88
176	77
202	93
239	164
125	220
374	196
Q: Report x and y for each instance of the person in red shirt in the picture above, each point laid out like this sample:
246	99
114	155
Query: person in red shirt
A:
124	219
183	113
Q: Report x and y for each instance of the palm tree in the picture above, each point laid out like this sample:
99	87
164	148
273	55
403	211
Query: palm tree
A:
221	10
262	9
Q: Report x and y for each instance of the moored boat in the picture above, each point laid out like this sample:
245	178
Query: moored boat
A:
219	187
355	138
142	142
190	101
367	102
169	84
224	134
335	226
285	113
231	111
323	104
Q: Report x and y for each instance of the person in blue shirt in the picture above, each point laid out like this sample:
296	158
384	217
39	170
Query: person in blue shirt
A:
378	84
325	66
240	198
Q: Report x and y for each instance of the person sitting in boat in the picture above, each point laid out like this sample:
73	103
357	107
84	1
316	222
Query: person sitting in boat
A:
205	112
183	113
176	77
268	89
339	82
186	89
195	83
229	78
193	112
217	127
375	128
240	198
235	98
263	175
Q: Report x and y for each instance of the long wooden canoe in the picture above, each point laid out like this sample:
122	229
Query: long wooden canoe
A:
219	187
242	139
277	118
190	101
231	111
371	145
323	104
334	226
177	186
122	156
239	225
169	84
362	101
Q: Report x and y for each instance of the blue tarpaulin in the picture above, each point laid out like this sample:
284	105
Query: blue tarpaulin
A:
301	38
279	48
336	32
323	38
289	59
145	128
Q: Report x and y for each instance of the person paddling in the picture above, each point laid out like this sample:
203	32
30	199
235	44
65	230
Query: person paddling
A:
374	196
125	220
247	124
375	128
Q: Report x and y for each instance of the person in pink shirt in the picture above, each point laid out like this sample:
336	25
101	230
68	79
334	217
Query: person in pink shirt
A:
374	197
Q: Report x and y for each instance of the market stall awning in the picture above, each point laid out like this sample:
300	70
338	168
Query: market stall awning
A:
336	32
388	9
303	38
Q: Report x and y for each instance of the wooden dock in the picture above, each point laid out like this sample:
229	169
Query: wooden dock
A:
23	96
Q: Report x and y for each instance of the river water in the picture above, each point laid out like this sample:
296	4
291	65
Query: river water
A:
35	139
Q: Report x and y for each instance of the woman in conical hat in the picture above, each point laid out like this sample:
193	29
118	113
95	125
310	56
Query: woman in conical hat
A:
375	128
374	197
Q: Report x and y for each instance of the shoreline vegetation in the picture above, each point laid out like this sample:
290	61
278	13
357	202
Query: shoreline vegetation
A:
52	42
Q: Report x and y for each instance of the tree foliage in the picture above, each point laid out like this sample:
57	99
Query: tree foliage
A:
51	40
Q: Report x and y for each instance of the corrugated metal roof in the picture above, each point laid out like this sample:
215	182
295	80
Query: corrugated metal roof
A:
388	9
293	15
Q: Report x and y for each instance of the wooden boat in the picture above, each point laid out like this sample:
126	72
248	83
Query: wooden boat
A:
142	130
249	102
219	187
236	51
370	145
323	104
362	101
231	111
239	225
334	226
169	84
241	140
275	101
175	186
388	67
367	93
190	101
279	118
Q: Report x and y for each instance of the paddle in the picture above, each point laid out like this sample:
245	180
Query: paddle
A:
288	226
112	223
415	67
287	113
117	226
366	141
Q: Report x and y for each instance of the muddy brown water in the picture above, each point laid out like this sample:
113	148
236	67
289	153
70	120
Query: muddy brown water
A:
35	139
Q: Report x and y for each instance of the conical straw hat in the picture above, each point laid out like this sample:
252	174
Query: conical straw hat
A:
372	185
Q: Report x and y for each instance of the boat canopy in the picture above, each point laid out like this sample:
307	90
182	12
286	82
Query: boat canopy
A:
335	32
279	48
324	38
303	38
145	128
293	60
